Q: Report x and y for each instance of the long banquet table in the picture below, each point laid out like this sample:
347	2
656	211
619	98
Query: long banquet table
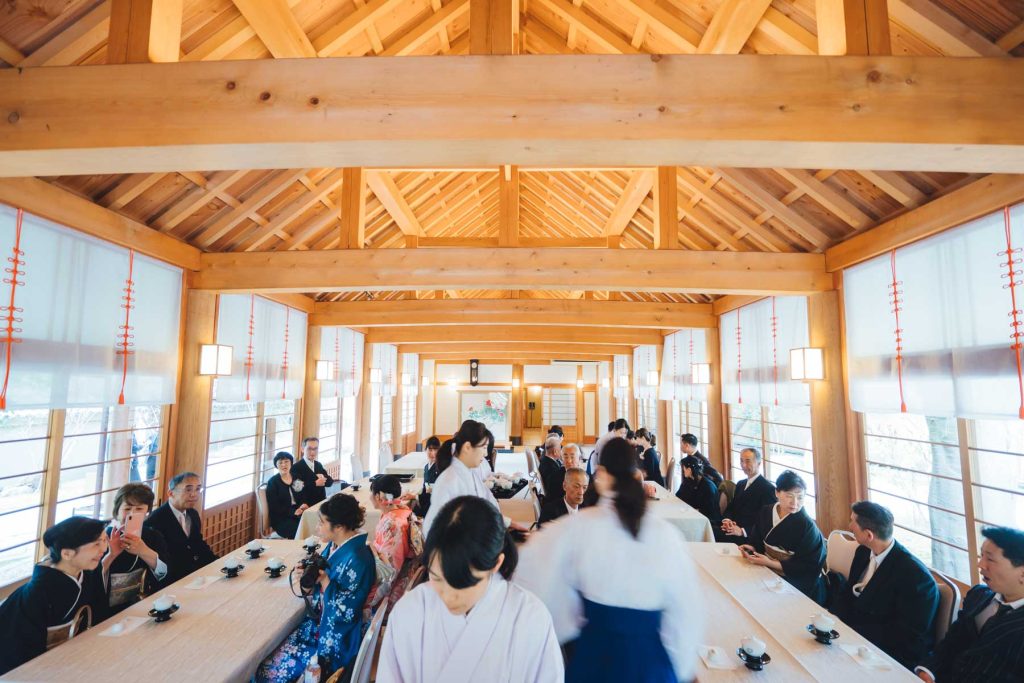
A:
413	463
694	525
221	633
738	603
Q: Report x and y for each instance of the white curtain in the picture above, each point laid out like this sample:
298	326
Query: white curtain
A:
384	357
681	350
67	320
411	368
956	318
620	364
755	343
344	348
268	361
645	360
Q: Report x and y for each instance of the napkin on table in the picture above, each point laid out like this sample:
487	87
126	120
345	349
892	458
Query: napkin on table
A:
725	659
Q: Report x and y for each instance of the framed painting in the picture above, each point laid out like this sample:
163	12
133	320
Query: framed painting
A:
489	407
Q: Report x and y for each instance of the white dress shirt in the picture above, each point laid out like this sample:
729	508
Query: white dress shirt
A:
183	520
874	562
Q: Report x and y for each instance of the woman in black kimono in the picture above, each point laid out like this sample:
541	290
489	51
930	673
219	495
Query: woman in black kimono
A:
64	596
134	565
697	490
786	540
649	462
283	497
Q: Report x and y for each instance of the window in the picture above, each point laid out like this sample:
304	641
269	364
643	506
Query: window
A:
231	458
621	407
386	419
408	413
349	428
647	414
915	467
328	430
278	434
782	435
103	449
559	407
691	418
24	438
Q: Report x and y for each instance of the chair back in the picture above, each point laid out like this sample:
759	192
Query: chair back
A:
726	492
670	474
531	460
363	665
840	548
263	514
536	502
949	603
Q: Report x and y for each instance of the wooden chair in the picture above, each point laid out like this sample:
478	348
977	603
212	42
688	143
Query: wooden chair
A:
363	665
839	549
536	502
726	492
669	474
263	514
949	603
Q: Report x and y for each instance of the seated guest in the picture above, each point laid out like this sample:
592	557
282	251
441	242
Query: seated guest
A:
697	490
574	485
784	539
430	473
556	431
571	454
179	524
890	597
752	494
284	497
688	446
64	595
391	539
315	479
339	595
649	462
550	467
618	580
133	566
986	642
469	623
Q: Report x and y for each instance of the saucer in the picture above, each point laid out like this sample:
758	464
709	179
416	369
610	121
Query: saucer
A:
231	572
164	615
753	663
823	637
254	554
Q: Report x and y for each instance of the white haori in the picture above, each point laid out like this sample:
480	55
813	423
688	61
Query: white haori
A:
457	480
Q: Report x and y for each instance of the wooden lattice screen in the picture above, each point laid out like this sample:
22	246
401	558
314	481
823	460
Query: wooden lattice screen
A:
230	525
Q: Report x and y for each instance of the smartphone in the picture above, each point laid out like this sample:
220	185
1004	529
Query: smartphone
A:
133	524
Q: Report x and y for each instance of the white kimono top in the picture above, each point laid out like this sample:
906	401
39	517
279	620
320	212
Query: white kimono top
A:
591	555
506	637
457	480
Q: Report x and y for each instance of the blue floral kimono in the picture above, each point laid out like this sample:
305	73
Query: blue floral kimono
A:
336	638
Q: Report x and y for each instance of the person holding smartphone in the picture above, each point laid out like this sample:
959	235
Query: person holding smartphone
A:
132	566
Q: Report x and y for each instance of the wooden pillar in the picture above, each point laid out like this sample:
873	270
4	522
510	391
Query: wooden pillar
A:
143	31
580	412
195	392
493	25
631	395
364	448
666	215
828	415
352	230
853	27
397	444
508	218
717	423
516	414
309	425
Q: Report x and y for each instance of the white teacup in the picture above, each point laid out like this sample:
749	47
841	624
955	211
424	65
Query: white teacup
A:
752	646
275	563
230	562
163	603
311	542
254	545
823	622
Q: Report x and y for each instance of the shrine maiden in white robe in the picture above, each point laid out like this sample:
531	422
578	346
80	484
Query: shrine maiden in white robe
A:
591	557
457	480
506	637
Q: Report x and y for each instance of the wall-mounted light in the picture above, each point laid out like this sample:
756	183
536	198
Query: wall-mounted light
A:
426	381
806	363
623	381
700	373
215	359
606	382
406	379
324	370
536	387
579	384
376	376
516	383
652	378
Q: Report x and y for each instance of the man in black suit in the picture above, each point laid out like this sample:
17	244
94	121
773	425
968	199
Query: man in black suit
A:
181	527
552	471
752	494
574	486
315	479
986	642
688	446
890	597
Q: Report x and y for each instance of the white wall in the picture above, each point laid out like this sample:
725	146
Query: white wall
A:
549	374
427	402
496	377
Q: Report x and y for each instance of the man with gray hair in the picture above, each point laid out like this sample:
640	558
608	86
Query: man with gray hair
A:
552	471
574	486
179	523
752	494
571	455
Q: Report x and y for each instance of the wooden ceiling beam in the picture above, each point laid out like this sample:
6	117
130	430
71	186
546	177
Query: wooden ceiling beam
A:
831	199
488	334
1012	38
511	268
562	312
493	350
667	23
731	26
352	230
331	43
637	189
383	186
144	31
598	33
10	54
749	186
908	114
516	357
409	42
273	186
74	42
725	304
940	28
853	27
276	25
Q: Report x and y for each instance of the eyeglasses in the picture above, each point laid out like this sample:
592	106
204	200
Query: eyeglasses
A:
191	489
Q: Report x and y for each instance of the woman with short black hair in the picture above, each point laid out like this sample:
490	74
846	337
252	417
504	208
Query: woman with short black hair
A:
698	491
284	497
468	623
619	582
134	565
64	596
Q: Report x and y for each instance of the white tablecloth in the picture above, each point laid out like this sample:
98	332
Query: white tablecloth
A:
739	603
695	526
413	463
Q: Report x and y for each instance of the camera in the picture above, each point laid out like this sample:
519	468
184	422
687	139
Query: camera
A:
311	566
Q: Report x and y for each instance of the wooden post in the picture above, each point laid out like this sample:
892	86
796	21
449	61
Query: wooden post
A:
364	448
853	27
580	412
828	415
717	424
493	25
309	425
352	231
508	230
516	414
195	392
666	202
143	31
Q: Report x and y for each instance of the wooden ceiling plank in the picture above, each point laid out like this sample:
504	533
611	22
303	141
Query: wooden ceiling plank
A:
383	186
732	213
274	185
831	199
129	189
731	26
332	42
896	186
749	186
639	186
295	208
602	35
791	37
668	24
940	28
74	42
10	54
276	25
195	199
412	40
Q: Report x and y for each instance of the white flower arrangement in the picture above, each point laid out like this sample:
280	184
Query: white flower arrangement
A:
297	485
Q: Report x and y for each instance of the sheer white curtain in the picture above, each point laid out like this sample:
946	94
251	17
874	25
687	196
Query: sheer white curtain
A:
681	350
344	348
620	364
384	357
411	368
956	315
645	361
755	343
269	349
67	317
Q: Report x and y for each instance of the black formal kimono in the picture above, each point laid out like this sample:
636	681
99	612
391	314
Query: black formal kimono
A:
709	471
747	501
552	476
185	554
797	544
311	493
282	502
429	477
994	654
46	611
130	578
896	609
651	467
702	495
